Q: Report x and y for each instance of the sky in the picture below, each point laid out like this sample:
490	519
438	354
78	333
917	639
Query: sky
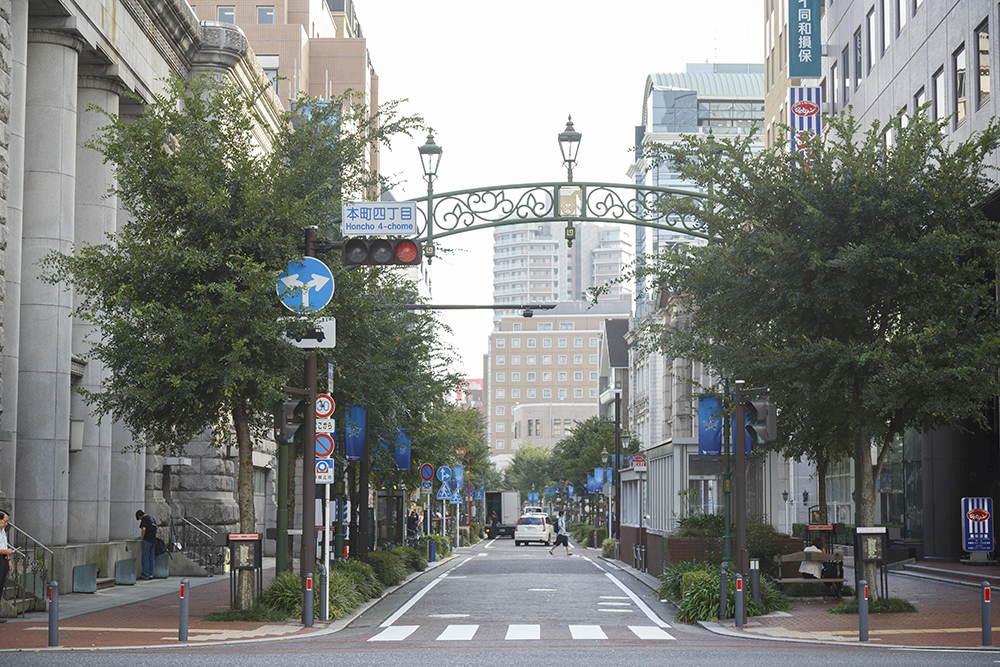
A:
496	82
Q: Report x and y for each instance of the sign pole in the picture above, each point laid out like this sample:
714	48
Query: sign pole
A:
326	544
308	560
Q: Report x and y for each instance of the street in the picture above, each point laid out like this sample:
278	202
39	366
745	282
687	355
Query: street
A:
497	604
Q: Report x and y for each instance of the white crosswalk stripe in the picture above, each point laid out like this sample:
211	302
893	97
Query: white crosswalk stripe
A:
458	633
395	633
587	632
516	632
524	632
648	632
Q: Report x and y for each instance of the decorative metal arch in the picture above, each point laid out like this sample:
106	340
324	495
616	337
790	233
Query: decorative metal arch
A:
449	213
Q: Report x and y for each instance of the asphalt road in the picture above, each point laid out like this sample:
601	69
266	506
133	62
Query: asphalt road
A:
498	604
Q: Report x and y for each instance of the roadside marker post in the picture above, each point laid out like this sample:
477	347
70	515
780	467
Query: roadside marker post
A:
182	632
863	610
987	619
54	613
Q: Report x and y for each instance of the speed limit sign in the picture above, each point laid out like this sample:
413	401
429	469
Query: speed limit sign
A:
325	406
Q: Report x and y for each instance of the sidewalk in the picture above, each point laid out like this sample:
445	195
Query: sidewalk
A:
947	597
147	615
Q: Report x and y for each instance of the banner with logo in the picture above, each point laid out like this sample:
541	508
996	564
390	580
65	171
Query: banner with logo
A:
402	451
805	42
354	432
804	117
709	426
977	524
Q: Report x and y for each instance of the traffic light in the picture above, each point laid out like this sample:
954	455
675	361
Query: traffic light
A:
381	252
762	414
288	420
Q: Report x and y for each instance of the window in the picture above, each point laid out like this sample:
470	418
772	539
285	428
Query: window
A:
834	87
562	360
501	410
577	342
501	444
531	393
546	359
870	37
593	342
515	359
983	80
500	377
566	326
578	376
858	58
500	343
919	100
900	15
270	66
500	360
547	376
515	393
557	428
578	392
577	358
546	393
886	25
517	326
563	376
546	342
545	326
265	15
563	342
937	99
531	360
562	393
531	378
259	481
538	427
593	392
500	393
958	66
515	377
593	358
515	342
531	342
846	83
225	15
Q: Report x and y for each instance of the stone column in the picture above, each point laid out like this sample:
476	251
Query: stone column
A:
96	213
12	273
46	329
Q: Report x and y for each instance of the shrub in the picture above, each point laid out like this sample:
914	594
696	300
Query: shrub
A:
608	548
412	558
695	588
670	580
442	546
344	597
361	575
703	525
876	606
285	593
602	534
388	567
477	531
688	579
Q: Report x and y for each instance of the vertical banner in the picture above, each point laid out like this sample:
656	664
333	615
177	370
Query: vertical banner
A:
805	42
354	432
977	524
599	476
402	451
709	426
804	117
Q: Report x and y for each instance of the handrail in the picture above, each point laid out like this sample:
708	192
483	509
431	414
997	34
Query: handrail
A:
197	540
30	569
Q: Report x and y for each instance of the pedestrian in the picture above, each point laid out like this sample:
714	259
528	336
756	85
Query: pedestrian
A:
6	554
562	537
147	534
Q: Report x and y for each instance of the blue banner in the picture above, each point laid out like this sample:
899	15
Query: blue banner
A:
709	426
354	433
805	41
402	451
599	475
977	524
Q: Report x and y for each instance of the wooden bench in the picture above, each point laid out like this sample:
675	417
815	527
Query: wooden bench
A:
800	556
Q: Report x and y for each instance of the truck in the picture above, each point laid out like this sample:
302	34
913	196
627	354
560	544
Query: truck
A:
507	506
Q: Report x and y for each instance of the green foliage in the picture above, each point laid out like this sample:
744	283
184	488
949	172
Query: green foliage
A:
584	534
576	455
696	588
670	579
602	534
700	525
361	575
762	538
344	596
260	614
477	530
608	548
531	466
388	567
442	546
688	579
413	559
285	593
876	606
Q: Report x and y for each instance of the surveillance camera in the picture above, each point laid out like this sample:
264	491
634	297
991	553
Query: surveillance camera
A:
527	313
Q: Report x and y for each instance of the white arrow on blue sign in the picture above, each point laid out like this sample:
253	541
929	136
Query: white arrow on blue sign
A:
444	474
306	285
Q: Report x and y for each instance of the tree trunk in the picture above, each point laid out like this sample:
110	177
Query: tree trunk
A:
822	465
245	588
866	500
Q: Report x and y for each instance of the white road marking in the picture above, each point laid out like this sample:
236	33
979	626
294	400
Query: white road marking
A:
458	633
447	616
618	611
587	632
638	603
614	597
416	598
644	632
616	604
542	590
396	634
524	632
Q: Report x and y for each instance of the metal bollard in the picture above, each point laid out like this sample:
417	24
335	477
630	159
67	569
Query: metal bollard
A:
433	545
723	590
739	600
182	632
863	610
307	606
324	593
987	619
54	613
755	579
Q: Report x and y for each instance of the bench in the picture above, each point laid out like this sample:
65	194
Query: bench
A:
800	556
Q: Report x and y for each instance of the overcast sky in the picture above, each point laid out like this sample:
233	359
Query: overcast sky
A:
496	81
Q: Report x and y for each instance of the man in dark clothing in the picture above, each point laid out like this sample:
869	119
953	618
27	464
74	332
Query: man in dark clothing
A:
147	528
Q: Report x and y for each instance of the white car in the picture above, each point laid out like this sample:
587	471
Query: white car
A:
534	528
532	509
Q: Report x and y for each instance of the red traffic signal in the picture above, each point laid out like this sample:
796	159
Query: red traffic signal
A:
362	251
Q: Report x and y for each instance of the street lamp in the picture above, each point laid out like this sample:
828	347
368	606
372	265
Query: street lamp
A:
604	463
569	144
430	158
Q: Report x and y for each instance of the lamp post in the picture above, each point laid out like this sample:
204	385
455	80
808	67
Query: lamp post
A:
430	158
569	144
604	463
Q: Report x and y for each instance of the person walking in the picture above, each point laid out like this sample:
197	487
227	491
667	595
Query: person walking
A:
147	533
6	555
562	537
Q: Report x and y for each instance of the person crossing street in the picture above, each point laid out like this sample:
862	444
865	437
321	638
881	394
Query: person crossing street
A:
562	537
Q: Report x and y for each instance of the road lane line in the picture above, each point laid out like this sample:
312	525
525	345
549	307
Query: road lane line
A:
396	634
587	632
645	632
616	604
524	632
490	545
639	603
423	591
458	633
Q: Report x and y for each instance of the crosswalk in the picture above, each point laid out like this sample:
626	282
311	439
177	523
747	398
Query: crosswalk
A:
514	632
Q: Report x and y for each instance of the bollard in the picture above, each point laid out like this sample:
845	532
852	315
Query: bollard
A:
987	620
54	613
182	632
755	579
307	607
739	600
324	593
863	610
723	590
595	539
433	551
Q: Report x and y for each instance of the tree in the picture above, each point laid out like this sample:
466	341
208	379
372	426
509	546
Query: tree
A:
191	331
576	455
857	282
529	469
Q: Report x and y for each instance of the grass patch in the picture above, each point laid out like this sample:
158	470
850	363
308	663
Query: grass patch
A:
260	614
876	606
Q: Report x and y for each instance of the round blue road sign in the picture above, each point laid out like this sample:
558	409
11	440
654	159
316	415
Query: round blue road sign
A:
305	286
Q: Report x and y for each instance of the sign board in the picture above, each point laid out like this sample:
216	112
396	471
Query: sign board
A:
977	524
325	445
444	493
305	285
324	471
805	41
426	472
458	472
243	536
444	474
379	218
804	114
638	462
326	425
477	494
325	405
426	487
456	498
